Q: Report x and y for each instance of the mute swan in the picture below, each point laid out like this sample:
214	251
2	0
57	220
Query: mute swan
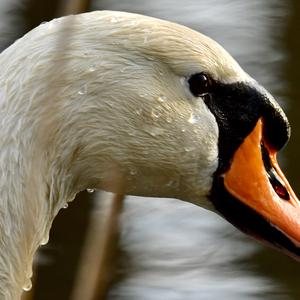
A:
136	105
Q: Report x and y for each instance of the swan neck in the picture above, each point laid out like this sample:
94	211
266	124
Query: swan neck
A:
31	195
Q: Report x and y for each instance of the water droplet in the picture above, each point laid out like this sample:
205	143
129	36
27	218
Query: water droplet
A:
83	90
183	130
169	119
28	285
183	80
133	171
162	98
154	131
143	95
116	43
50	25
131	133
194	119
139	111
134	23
172	183
92	68
114	20
156	113
90	191
111	104
189	148
45	240
66	205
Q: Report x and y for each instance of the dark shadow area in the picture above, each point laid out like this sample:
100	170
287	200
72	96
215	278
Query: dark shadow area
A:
292	76
56	275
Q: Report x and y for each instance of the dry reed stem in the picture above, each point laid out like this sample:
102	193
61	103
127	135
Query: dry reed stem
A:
99	254
69	7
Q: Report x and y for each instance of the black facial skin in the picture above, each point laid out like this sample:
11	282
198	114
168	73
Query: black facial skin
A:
237	108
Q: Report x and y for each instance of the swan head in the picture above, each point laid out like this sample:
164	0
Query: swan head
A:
147	107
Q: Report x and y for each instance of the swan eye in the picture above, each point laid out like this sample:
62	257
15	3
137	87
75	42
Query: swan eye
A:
199	84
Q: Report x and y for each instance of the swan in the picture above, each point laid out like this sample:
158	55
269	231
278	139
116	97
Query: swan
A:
135	105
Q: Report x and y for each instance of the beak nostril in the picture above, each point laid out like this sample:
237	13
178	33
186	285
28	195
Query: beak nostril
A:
274	179
278	187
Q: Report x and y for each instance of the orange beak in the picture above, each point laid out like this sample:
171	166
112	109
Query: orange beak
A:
255	179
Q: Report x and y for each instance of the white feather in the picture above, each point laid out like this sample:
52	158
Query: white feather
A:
100	100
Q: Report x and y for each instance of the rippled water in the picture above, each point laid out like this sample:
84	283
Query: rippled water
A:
175	250
179	252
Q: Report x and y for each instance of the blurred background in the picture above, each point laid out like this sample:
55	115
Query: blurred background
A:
169	249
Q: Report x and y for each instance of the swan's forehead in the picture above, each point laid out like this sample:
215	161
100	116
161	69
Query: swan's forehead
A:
184	50
188	52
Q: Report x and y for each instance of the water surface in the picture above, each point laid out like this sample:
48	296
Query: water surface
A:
174	250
